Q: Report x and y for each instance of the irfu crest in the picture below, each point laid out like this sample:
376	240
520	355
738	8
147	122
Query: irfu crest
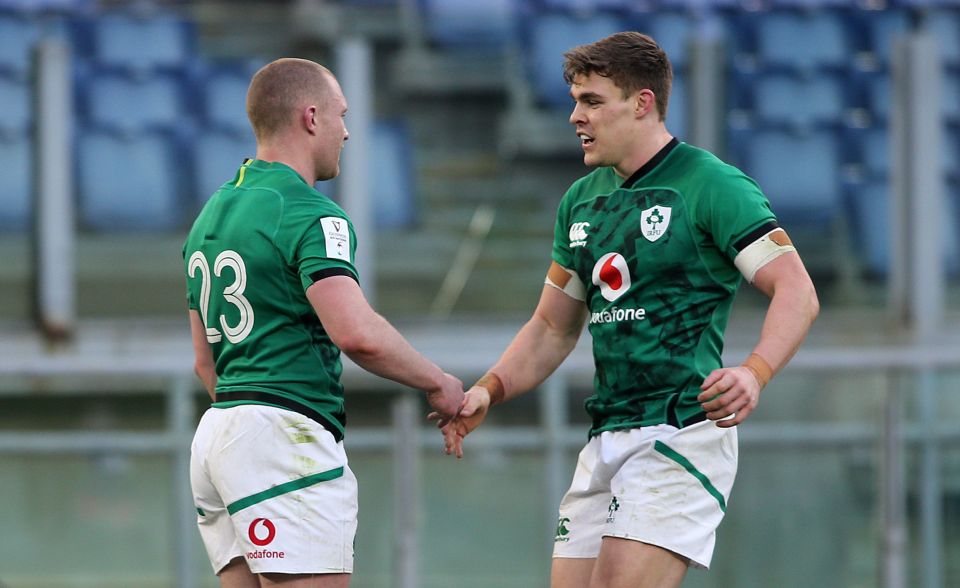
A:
654	222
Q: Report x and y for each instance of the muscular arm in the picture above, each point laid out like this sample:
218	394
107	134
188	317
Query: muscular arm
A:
203	364
535	353
792	310
373	344
542	344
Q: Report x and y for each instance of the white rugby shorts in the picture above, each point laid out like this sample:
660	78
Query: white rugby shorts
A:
274	487
660	485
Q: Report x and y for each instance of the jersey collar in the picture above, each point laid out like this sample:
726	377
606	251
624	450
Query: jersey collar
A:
654	162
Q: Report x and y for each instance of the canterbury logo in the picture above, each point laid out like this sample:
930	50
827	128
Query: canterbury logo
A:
578	234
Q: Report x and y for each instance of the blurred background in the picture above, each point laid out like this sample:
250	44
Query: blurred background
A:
118	120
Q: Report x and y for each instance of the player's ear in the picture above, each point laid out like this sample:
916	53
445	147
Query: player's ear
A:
644	101
309	119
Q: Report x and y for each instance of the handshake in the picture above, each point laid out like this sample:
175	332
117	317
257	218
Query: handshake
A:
457	412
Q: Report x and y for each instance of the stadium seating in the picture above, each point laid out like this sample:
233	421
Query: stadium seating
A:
882	29
112	98
392	174
224	94
29	7
871	225
16	114
880	97
217	153
945	26
128	181
678	108
16	154
18	35
547	37
799	173
468	24
802	41
799	102
142	43
673	31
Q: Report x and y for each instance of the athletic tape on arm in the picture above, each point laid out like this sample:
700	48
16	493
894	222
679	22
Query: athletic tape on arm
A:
567	281
762	251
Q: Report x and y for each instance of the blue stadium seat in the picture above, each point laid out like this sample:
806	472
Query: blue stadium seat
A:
881	97
549	36
875	151
392	175
468	23
143	42
16	113
217	154
883	29
18	36
673	31
130	103
798	101
870	222
678	108
225	94
951	153
800	40
16	153
945	25
47	6
799	173
128	181
951	96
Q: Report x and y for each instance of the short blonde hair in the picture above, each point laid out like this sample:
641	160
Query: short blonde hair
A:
282	87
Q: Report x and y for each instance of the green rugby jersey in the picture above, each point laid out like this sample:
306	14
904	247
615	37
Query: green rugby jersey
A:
655	253
258	244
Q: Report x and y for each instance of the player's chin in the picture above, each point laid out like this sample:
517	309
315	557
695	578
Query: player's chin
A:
592	159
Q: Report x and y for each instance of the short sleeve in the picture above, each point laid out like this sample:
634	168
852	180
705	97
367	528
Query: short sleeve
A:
562	254
327	248
731	208
191	295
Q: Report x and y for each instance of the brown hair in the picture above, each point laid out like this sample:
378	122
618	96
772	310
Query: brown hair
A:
281	87
633	61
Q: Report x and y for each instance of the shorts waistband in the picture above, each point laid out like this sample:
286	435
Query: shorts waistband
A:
283	402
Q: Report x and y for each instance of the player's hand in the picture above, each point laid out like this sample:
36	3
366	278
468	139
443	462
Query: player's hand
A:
446	400
729	391
476	403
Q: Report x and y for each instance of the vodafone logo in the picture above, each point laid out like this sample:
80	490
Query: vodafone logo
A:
611	274
271	532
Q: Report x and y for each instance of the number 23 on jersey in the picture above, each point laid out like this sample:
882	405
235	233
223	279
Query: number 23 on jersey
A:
232	294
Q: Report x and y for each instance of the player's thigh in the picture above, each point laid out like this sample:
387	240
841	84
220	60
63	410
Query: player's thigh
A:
291	496
305	580
571	572
237	574
625	563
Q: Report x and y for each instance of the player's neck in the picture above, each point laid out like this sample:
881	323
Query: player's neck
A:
293	158
646	147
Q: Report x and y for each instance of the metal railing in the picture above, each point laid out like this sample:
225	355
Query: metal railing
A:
554	436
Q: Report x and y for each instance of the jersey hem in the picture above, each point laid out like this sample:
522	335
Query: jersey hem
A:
231	399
